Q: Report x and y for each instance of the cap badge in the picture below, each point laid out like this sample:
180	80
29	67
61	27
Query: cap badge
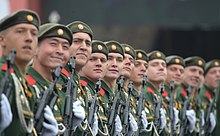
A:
127	49
200	62
60	32
80	26
29	18
139	55
99	47
114	47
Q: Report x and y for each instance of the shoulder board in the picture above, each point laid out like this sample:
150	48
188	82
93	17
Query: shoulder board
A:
83	82
183	92
150	90
165	94
102	92
31	81
65	72
208	95
5	67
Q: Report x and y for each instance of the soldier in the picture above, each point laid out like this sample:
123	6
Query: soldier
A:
208	94
81	49
156	74
94	70
19	30
175	69
137	76
193	75
54	44
128	66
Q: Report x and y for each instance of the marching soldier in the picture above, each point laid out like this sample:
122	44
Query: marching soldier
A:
80	49
54	44
175	69
18	31
137	76
193	75
156	74
94	70
209	95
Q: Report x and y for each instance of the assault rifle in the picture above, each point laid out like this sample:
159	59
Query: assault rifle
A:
70	98
140	106
171	106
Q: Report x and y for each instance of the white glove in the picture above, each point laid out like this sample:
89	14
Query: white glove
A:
191	117
5	113
212	122
95	125
79	114
118	125
133	124
162	119
176	116
144	120
50	127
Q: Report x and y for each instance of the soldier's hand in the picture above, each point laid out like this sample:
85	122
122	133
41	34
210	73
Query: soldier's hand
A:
118	125
79	114
191	117
176	116
144	120
95	125
212	122
50	126
6	114
162	118
133	124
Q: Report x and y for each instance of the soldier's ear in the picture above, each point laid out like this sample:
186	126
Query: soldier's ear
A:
2	40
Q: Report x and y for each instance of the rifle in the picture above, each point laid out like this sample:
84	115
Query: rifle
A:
127	110
115	105
140	106
186	106
209	111
49	98
158	105
171	106
5	85
93	108
70	98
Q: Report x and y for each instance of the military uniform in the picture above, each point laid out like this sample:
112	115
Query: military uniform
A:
181	93
20	95
207	93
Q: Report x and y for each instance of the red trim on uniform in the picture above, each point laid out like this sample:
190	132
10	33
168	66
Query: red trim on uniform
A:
84	83
184	93
65	72
150	90
165	94
31	81
5	67
102	92
208	95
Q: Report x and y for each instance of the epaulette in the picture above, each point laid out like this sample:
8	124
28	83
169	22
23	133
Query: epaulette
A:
183	92
31	81
84	83
102	91
65	72
165	94
208	95
150	90
5	67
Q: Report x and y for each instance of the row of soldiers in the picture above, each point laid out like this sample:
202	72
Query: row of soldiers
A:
58	80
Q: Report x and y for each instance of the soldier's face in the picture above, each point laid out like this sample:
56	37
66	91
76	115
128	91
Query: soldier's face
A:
193	76
212	77
140	68
96	67
81	48
128	66
157	70
23	38
52	52
115	64
175	73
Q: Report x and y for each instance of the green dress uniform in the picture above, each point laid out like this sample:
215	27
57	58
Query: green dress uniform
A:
22	122
19	98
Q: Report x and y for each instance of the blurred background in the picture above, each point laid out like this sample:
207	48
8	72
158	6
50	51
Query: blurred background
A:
180	27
